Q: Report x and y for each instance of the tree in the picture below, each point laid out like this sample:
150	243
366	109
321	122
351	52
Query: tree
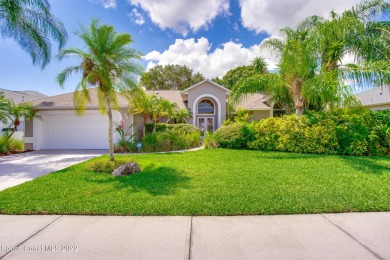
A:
180	116
13	113
144	105
297	65
356	33
175	77
31	24
311	72
233	76
108	64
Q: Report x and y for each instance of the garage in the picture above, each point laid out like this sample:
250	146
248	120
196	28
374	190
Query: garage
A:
65	130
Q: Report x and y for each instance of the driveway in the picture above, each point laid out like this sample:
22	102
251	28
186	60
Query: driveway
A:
16	169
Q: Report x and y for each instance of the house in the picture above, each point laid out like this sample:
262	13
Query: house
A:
377	98
19	97
60	128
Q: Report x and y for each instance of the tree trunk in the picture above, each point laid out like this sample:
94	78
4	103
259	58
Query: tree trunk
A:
110	130
299	100
145	121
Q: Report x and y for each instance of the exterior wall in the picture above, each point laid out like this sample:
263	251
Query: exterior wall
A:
128	119
378	107
138	126
260	114
212	92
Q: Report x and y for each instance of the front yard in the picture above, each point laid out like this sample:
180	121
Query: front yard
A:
211	182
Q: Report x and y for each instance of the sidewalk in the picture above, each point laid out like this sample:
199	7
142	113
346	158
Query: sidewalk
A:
321	236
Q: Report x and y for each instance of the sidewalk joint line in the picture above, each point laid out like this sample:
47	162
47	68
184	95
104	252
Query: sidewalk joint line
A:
355	239
32	235
190	241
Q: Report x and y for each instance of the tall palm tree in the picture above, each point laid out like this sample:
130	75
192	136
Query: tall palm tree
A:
297	65
108	64
356	33
259	65
31	24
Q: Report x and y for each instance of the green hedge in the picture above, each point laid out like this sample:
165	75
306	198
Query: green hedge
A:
344	131
161	127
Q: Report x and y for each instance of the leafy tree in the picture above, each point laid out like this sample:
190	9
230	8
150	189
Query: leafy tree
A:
175	77
233	76
31	24
108	64
144	105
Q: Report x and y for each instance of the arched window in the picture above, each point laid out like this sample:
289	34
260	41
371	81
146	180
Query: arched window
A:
206	107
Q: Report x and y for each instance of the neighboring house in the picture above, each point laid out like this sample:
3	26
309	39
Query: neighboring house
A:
377	98
19	97
60	128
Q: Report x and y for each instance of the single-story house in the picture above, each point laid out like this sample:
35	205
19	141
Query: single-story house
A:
19	97
377	98
60	128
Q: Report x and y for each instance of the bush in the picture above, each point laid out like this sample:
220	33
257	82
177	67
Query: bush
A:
171	137
10	145
343	131
235	136
104	165
209	141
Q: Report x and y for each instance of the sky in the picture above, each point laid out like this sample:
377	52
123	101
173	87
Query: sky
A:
209	36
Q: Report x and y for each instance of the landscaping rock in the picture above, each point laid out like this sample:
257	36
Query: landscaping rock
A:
126	169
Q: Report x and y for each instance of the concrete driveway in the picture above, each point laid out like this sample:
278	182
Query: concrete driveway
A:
16	169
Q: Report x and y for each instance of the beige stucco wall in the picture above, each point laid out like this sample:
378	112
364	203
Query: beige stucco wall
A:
379	107
260	114
214	93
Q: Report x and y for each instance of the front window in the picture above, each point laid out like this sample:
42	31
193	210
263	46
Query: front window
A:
206	107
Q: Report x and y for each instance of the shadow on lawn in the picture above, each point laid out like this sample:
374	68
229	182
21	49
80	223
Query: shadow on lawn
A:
370	165
154	180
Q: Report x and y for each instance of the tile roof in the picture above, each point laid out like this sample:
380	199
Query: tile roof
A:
21	96
66	100
254	101
374	96
171	95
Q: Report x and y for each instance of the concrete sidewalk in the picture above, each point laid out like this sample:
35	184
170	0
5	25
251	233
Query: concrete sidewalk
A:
322	236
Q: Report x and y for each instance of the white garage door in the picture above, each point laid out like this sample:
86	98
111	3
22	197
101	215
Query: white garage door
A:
69	131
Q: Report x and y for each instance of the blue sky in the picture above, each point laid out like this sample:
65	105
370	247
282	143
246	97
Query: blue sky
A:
209	36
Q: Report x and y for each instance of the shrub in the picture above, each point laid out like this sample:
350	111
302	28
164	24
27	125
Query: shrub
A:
171	138
9	145
209	141
235	136
104	165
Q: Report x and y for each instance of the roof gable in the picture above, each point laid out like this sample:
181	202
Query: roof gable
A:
21	96
202	82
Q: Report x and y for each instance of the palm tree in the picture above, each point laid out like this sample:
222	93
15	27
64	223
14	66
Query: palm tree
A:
297	65
180	116
31	24
357	33
144	105
14	113
259	65
4	103
108	64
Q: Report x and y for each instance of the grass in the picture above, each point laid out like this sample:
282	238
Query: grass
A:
211	182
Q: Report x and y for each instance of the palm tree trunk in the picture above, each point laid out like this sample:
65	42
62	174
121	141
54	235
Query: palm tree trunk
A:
110	130
299	100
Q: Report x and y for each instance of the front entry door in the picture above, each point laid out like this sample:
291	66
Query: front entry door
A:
205	124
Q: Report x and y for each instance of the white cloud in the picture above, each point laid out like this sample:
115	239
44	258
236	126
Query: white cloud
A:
108	3
182	16
136	17
270	15
197	56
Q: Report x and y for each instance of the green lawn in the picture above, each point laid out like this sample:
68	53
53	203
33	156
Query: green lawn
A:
211	182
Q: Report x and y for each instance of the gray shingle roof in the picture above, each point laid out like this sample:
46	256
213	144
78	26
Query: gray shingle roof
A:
254	101
66	100
171	95
21	96
375	96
